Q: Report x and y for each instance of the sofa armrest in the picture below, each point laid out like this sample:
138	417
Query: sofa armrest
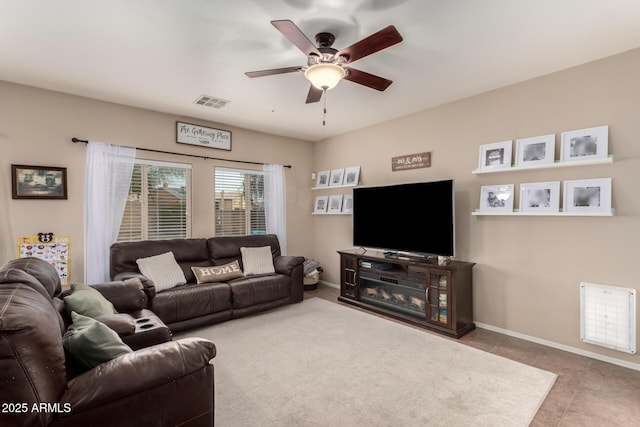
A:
123	324
133	373
126	295
147	284
286	264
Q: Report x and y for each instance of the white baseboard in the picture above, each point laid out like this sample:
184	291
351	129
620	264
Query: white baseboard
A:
329	284
603	358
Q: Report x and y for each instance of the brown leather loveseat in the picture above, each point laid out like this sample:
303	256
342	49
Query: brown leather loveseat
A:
163	385
193	304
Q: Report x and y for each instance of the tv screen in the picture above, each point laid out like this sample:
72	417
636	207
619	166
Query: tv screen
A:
417	217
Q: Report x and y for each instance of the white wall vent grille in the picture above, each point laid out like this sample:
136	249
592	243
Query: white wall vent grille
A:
211	101
608	316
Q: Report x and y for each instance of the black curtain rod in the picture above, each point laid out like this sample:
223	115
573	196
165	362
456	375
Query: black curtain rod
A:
84	141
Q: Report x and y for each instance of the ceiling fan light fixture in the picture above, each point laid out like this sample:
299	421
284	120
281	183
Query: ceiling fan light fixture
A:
325	75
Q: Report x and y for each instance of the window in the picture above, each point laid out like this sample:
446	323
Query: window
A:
239	202
159	202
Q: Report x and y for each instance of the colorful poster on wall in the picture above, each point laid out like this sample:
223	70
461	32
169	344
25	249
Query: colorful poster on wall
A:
50	247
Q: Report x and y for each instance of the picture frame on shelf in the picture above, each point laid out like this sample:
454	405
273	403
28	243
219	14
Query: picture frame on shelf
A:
352	176
336	177
322	179
347	203
535	151
38	182
497	198
335	204
539	197
320	206
585	144
592	196
495	156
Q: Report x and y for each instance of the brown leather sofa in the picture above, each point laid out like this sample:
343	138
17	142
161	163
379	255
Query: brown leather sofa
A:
163	385
194	305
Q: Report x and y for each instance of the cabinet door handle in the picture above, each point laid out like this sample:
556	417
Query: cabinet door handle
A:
427	295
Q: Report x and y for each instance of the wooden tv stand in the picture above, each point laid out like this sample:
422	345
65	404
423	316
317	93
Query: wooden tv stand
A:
435	297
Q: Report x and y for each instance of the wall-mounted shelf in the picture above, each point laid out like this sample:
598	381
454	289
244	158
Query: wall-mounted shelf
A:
557	164
518	213
330	213
333	187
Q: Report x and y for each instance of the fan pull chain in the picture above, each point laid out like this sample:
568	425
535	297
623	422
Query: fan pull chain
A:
324	107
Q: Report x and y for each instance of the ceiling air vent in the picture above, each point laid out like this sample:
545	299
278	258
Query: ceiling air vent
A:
211	101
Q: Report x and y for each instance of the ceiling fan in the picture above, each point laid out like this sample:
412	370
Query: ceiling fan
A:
326	66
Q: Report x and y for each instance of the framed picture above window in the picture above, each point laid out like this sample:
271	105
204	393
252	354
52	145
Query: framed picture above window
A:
540	197
535	151
496	198
38	182
588	196
585	144
495	156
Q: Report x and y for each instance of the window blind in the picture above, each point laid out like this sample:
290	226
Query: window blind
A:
239	202
159	202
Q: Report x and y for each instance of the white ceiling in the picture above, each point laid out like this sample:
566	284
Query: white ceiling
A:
163	54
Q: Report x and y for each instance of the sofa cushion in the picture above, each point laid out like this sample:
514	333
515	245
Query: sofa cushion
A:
253	290
217	273
91	342
163	270
257	260
87	301
190	301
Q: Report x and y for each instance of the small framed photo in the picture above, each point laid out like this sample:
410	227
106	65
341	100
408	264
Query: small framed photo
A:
336	177
585	144
495	156
38	182
335	204
496	198
540	197
535	151
588	196
322	179
352	175
347	203
321	204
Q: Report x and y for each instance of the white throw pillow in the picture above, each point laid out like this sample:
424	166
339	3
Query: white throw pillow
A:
162	270
257	261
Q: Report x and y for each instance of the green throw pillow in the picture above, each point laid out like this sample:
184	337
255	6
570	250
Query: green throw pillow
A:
91	342
87	301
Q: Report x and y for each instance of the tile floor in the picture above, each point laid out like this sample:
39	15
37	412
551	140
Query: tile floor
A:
588	392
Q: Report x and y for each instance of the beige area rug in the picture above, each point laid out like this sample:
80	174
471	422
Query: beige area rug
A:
322	364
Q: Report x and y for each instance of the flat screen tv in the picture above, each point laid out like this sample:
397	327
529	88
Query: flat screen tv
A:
416	217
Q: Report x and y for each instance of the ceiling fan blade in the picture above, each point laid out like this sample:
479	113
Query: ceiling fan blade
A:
366	79
314	95
292	33
374	43
272	72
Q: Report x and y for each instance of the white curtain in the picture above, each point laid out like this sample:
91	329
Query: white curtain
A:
108	172
275	203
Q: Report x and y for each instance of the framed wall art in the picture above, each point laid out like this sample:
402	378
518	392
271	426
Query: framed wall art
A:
536	150
585	144
540	197
336	177
347	203
321	204
38	182
351	175
497	198
186	133
495	156
588	196
322	179
335	204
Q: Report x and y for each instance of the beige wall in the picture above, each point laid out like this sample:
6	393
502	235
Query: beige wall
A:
528	268
36	127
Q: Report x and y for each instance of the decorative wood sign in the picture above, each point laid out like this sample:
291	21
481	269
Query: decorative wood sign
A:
411	161
199	135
